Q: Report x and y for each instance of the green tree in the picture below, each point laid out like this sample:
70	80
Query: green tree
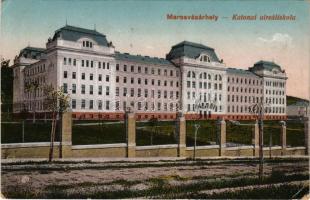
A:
6	87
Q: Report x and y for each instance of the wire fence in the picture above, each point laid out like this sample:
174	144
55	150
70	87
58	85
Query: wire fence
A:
239	135
207	133
86	132
155	132
27	131
295	133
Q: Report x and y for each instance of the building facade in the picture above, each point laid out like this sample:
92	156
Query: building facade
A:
104	83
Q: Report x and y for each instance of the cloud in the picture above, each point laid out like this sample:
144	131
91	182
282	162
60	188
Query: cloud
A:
149	47
277	40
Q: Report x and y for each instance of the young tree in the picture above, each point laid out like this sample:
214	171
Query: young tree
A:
57	102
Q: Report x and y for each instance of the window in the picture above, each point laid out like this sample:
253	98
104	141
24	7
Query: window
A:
117	79
91	89
100	90
65	74
108	65
87	63
125	68
159	71
73	75
193	84
83	104
107	78
82	63
73	104
139	69
171	73
107	90
125	92
117	91
99	104
74	62
103	65
165	72
91	63
99	65
107	105
132	92
139	92
117	67
139	80
65	61
158	106
117	105
125	80
132	68
99	77
91	104
146	70
65	88
145	93
83	76
158	82
132	80
69	61
145	81
91	76
73	88
83	89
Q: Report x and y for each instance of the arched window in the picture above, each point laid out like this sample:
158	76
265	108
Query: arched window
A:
193	75
205	75
220	77
206	58
209	76
200	75
189	74
215	77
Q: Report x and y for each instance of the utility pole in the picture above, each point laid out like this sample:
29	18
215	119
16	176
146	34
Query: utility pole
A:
261	142
258	109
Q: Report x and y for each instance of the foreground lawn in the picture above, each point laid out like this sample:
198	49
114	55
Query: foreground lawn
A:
284	178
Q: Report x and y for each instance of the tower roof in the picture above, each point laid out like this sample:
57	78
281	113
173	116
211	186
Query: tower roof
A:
73	33
266	65
191	50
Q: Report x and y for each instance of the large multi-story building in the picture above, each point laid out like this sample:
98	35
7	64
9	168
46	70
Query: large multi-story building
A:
104	83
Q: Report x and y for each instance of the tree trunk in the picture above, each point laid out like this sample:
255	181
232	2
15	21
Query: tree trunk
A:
60	135
52	137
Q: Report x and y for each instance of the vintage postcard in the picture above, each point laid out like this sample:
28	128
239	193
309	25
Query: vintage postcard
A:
156	99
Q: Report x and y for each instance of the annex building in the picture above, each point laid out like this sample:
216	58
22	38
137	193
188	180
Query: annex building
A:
104	83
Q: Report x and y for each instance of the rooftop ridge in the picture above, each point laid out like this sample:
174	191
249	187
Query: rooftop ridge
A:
193	44
81	30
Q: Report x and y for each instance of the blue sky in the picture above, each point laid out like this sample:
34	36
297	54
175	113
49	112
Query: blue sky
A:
140	27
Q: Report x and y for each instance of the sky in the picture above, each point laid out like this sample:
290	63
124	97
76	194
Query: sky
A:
141	27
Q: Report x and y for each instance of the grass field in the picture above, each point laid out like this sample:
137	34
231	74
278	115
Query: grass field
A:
153	133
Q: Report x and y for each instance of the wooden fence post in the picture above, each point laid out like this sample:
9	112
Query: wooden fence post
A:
256	140
181	128
283	138
222	138
66	134
131	135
